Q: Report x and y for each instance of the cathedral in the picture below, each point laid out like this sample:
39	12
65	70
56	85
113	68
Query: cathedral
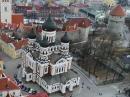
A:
48	62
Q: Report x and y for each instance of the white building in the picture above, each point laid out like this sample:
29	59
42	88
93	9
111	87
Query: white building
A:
117	27
117	20
49	63
6	11
8	87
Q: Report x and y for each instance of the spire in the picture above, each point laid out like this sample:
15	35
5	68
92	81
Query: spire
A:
49	24
44	42
32	34
65	38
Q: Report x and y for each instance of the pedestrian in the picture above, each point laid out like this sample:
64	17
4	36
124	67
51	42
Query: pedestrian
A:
119	91
88	87
82	84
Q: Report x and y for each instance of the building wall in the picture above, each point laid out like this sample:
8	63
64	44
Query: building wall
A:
116	25
77	36
17	19
6	12
1	64
15	93
8	49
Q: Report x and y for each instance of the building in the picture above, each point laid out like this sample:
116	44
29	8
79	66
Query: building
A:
40	94
117	28
47	62
75	8
1	64
12	47
116	20
77	29
8	87
7	15
6	11
94	14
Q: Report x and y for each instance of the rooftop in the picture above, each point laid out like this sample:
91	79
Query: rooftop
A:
40	94
54	58
62	78
18	44
73	23
118	11
7	84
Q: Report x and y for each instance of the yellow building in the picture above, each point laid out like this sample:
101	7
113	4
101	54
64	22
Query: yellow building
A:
12	47
1	64
110	3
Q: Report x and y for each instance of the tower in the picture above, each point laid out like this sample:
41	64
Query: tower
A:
6	11
65	44
49	30
116	21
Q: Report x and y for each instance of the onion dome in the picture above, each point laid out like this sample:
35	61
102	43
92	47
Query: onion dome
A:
49	24
32	34
65	38
44	42
16	36
35	54
117	11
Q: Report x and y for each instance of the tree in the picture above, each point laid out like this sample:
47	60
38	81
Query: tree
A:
109	3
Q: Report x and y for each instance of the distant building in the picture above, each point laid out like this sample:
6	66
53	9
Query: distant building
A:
7	15
6	11
40	94
48	62
8	88
78	29
116	20
12	47
117	27
94	14
1	64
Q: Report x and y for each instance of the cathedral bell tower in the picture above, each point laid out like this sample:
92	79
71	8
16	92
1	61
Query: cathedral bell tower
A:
6	11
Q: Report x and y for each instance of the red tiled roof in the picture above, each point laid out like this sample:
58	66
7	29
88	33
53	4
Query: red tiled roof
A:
7	84
20	43
6	38
41	94
17	44
117	11
72	24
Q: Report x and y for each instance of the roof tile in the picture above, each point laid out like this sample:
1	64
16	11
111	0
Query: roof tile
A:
117	11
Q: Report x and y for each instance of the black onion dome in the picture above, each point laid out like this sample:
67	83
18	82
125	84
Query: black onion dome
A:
65	38
49	24
32	34
44	42
16	36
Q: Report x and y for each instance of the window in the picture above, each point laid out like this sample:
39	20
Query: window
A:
62	69
5	20
13	93
45	69
59	69
30	76
5	8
